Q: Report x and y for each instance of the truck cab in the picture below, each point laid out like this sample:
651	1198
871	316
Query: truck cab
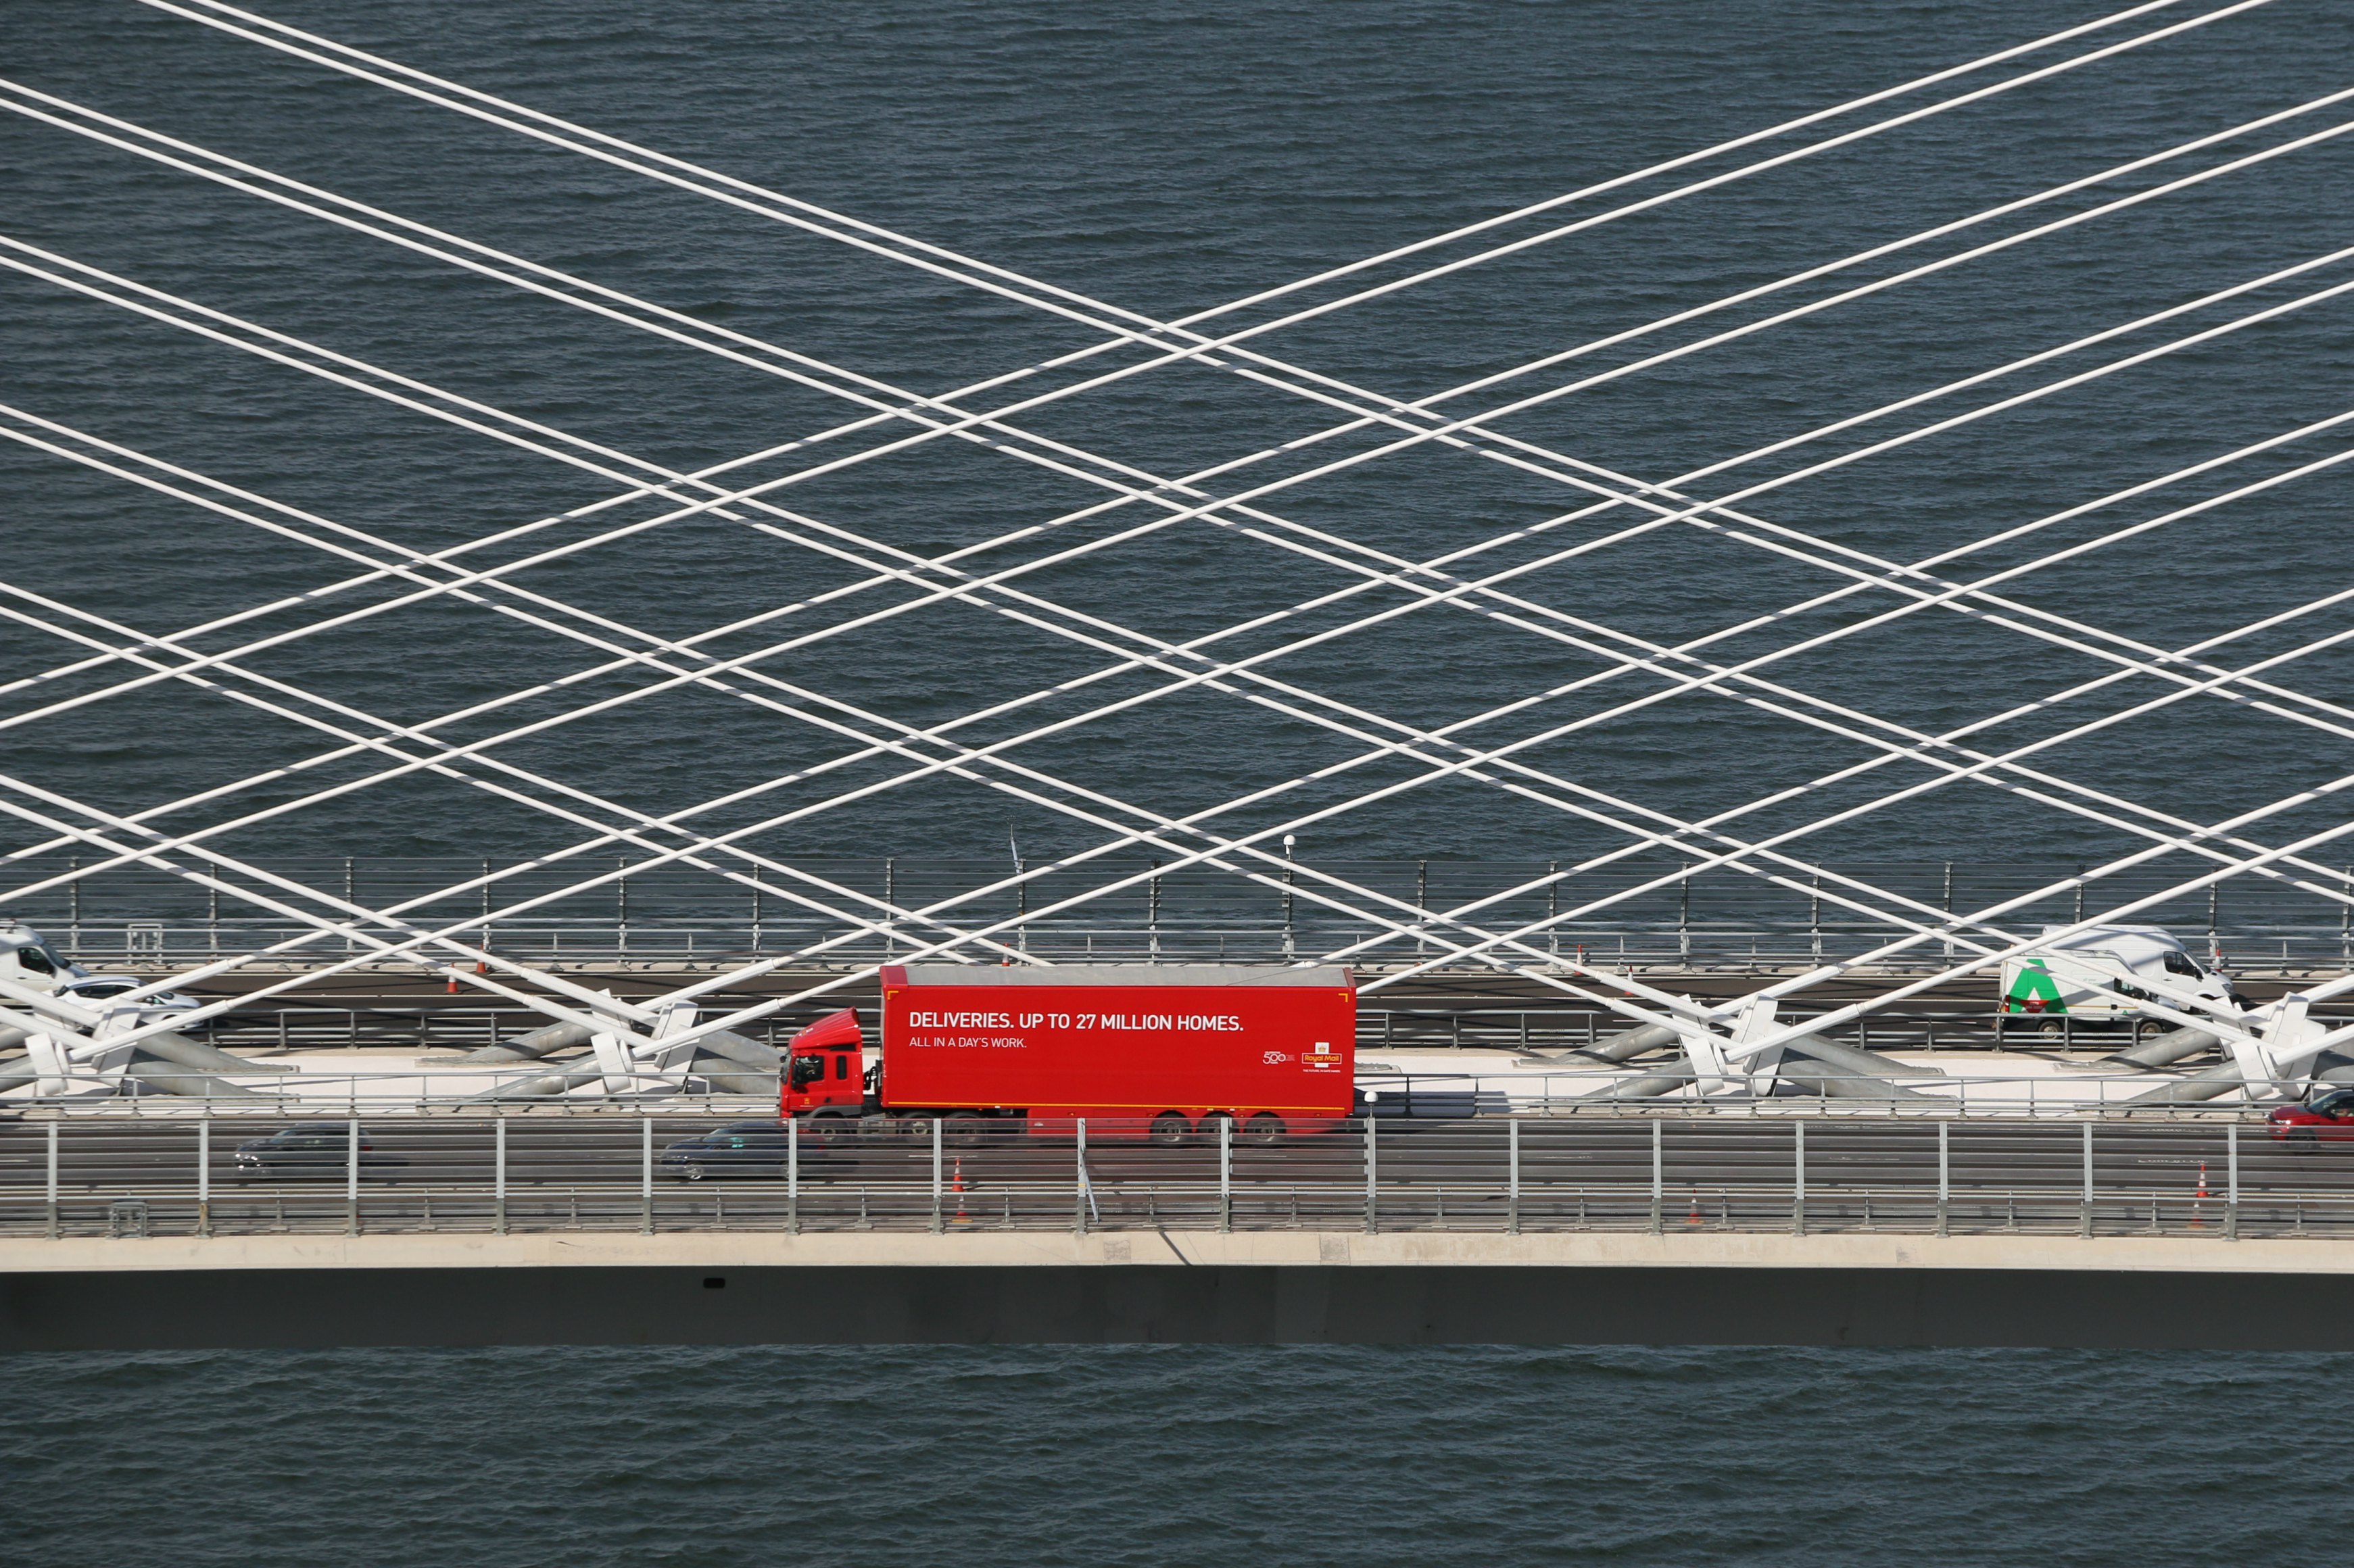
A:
825	1068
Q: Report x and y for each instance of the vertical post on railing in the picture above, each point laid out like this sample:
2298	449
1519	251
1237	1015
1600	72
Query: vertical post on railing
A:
939	1218
1079	1180
1944	1190
205	1170
351	1177
1553	908
646	1175
1225	1173
1512	1177
53	1176
1288	840
1658	1175
1372	1171
499	1171
2085	1220
1798	1178
2231	1192
793	1176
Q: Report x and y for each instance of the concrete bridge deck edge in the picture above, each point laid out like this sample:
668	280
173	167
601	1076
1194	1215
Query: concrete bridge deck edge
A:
304	1292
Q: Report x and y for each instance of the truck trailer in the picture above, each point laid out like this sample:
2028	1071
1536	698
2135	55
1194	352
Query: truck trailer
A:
1163	1052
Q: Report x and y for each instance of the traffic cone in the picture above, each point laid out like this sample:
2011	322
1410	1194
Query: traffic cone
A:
2198	1222
1692	1219
957	1186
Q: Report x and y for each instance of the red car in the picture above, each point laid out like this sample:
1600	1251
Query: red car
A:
2328	1116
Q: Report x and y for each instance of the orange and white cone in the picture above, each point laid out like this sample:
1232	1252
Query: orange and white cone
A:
957	1186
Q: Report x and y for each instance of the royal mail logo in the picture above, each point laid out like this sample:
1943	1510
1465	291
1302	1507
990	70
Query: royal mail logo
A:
1323	1058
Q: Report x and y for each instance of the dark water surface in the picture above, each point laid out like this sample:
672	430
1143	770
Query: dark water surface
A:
1174	1455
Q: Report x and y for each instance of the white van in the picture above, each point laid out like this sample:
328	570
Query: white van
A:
2105	973
27	959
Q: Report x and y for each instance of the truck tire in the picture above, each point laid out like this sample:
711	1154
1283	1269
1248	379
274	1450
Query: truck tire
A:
1266	1128
1168	1129
964	1129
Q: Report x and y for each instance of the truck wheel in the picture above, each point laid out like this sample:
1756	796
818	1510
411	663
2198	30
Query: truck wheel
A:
963	1129
1265	1127
1168	1129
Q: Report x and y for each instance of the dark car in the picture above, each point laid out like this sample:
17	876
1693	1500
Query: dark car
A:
321	1148
739	1149
2327	1118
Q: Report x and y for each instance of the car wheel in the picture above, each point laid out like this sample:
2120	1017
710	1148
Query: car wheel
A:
2303	1142
691	1171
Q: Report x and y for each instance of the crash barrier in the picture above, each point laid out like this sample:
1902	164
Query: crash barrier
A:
1483	1086
2220	1177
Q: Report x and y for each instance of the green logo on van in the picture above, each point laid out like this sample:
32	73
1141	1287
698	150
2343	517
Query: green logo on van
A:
2034	991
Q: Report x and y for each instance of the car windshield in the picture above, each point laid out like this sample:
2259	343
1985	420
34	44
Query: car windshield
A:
2335	1100
323	1130
743	1127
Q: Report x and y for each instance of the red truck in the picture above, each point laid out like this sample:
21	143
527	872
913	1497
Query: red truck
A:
1162	1052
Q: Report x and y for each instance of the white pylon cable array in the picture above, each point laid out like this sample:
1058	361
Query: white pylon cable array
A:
335	53
2201	141
569	288
569	282
1057	300
2241	286
1046	296
469	921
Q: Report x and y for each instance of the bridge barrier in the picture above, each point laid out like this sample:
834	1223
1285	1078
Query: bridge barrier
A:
224	1174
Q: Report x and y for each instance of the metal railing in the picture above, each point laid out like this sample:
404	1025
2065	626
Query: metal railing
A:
2063	1090
218	1175
672	913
